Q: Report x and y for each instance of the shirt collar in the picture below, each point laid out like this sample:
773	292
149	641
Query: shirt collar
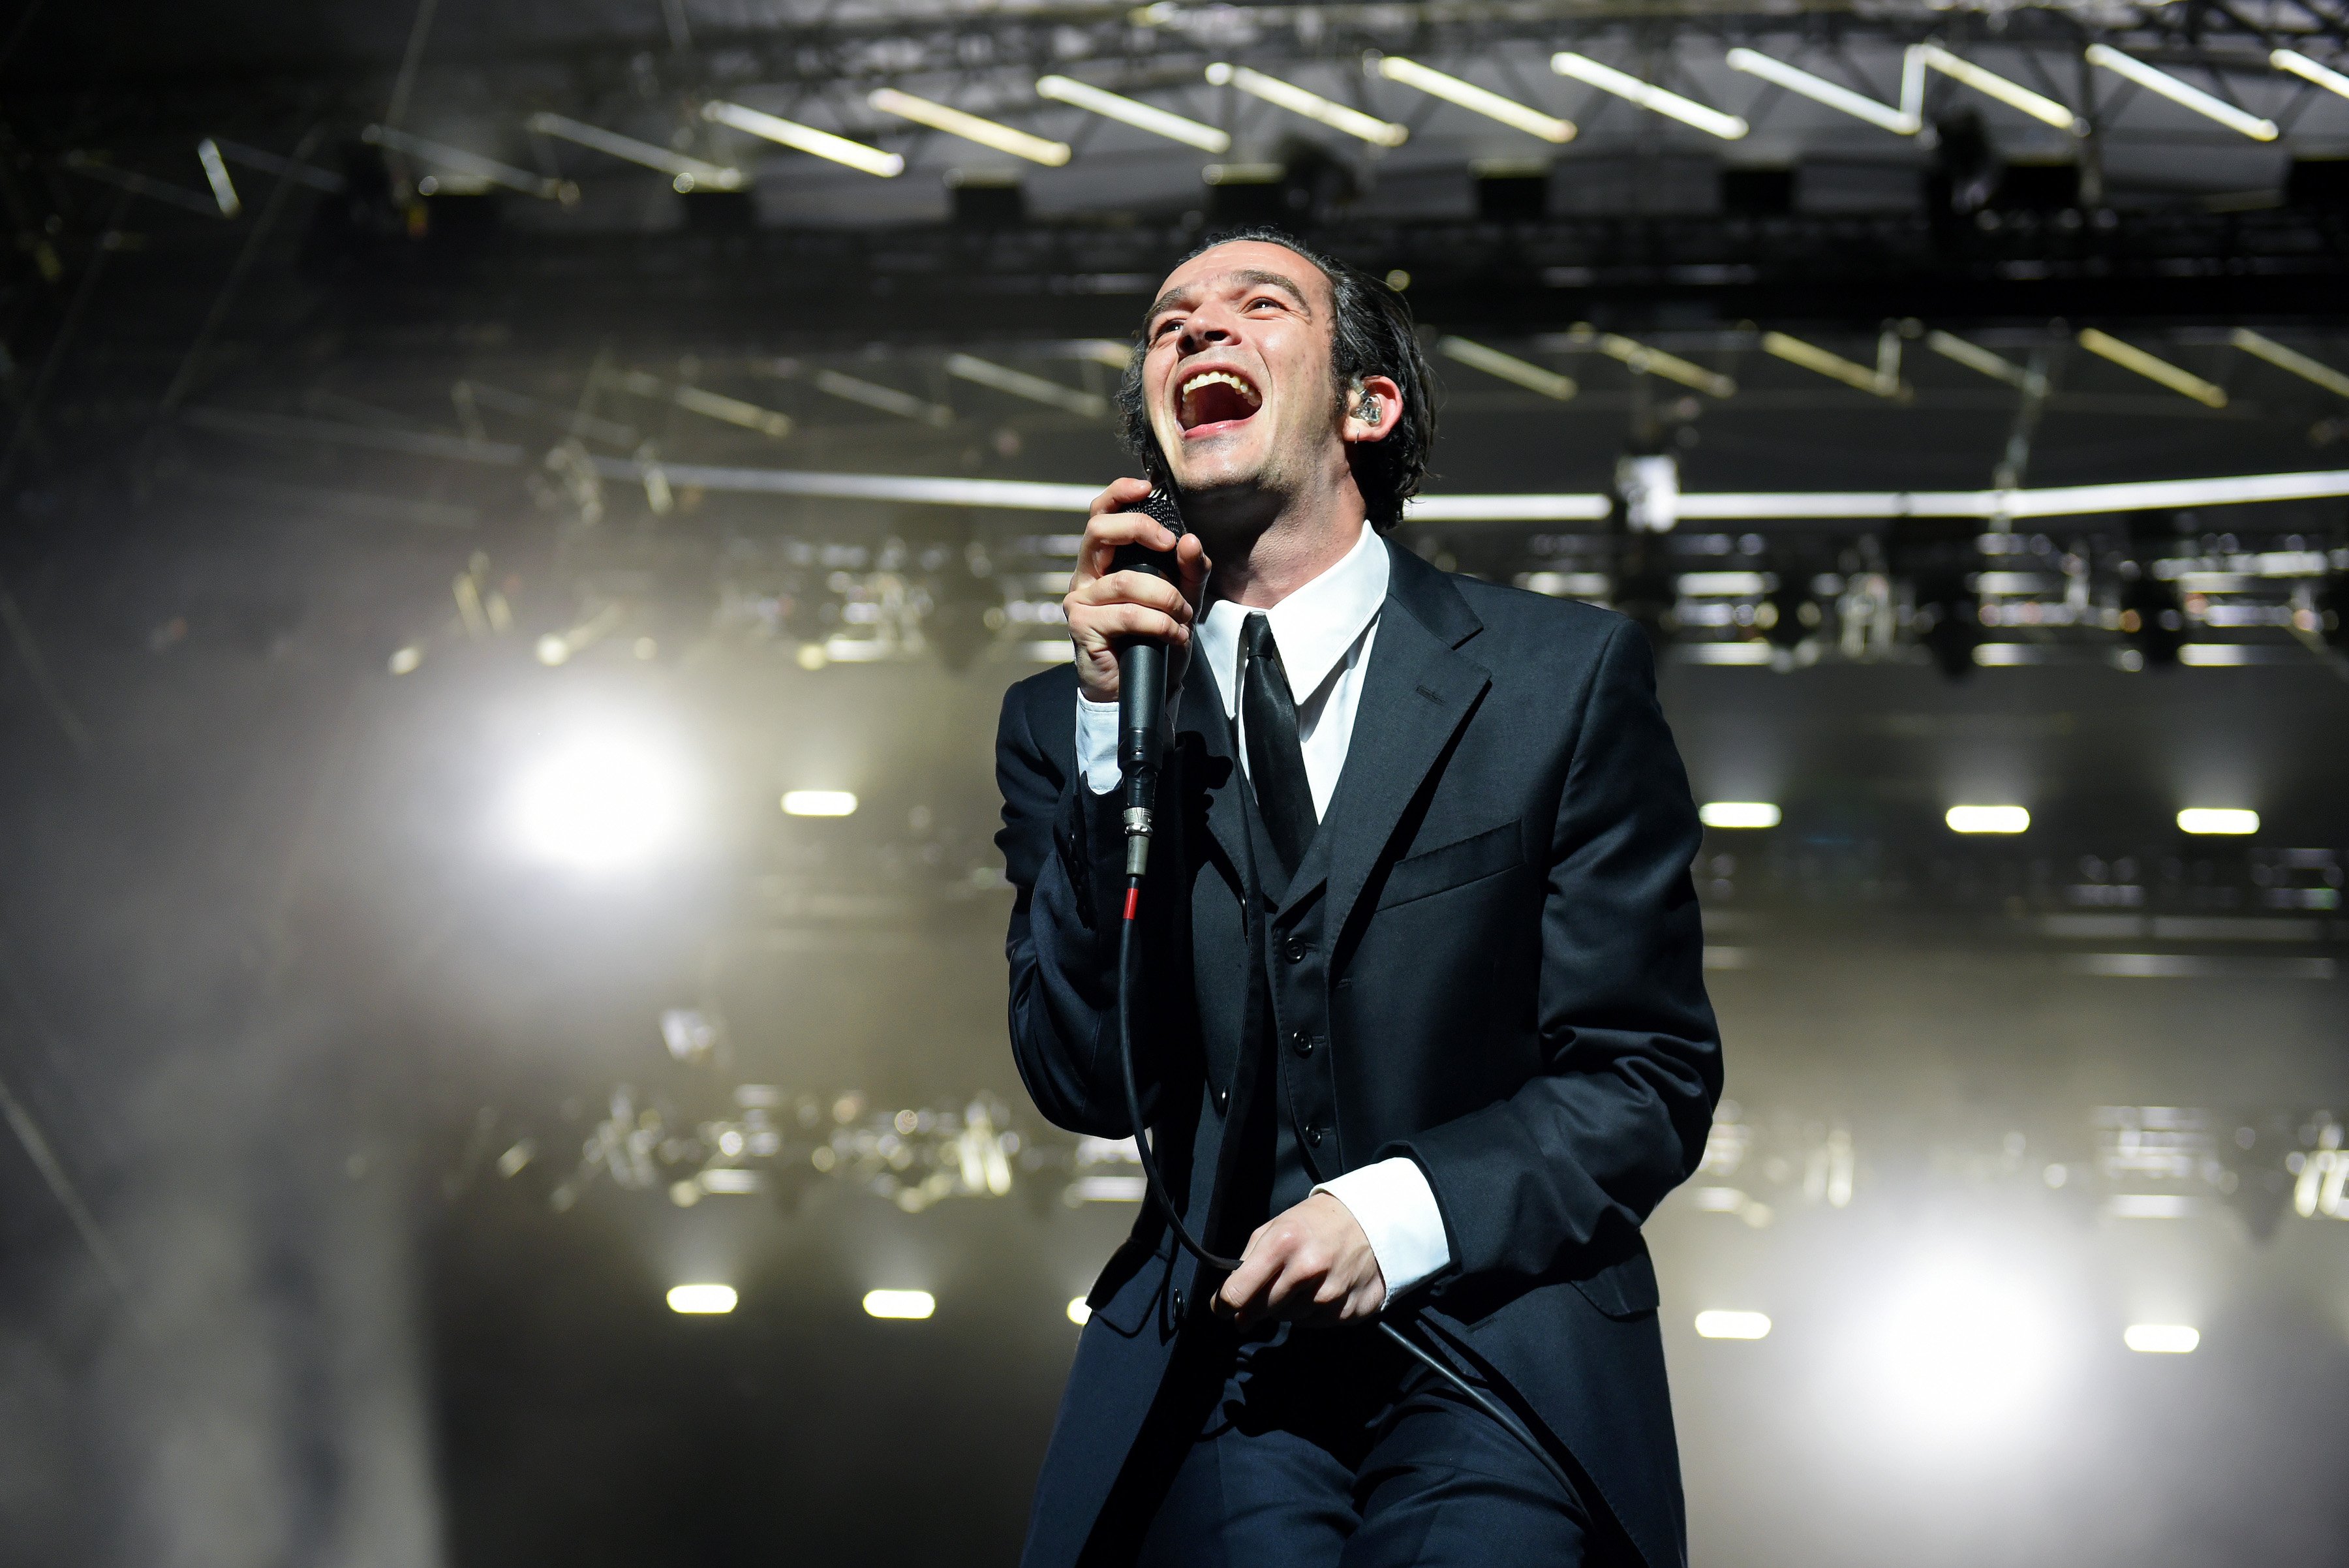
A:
1314	626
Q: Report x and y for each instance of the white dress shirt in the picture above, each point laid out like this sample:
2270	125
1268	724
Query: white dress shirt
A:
1324	632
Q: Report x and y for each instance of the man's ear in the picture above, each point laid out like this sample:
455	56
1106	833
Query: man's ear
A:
1373	408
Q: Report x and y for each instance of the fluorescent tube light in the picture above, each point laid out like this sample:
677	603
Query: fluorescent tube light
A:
1851	372
2284	359
819	803
1020	384
1989	84
2128	357
1507	367
207	153
684	173
2309	70
710	405
2161	1338
1732	1325
969	127
888	399
1555	508
1132	112
1642	361
1366	128
911	1305
2180	93
1033	495
1475	99
1819	89
2217	819
701	1298
1987	819
2151	1204
805	139
1607	79
1974	356
1738	813
470	165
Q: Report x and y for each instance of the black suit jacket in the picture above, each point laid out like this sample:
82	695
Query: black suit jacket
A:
1490	961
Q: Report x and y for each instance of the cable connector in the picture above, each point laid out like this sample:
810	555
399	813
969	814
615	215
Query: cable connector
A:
1137	840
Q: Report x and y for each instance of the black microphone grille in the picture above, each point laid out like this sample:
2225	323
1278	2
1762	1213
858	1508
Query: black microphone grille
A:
1160	506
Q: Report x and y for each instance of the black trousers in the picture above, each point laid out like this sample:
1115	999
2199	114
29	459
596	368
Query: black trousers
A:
1330	1447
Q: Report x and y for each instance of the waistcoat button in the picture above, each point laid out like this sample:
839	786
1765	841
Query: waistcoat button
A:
1313	1137
1297	949
1301	1042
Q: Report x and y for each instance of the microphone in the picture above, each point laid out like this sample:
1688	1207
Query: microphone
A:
1142	720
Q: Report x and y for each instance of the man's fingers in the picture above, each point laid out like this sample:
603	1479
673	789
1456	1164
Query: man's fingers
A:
1102	624
1108	532
1119	494
1134	588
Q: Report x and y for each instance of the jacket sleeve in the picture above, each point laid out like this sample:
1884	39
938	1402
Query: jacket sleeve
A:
1063	942
1573	1161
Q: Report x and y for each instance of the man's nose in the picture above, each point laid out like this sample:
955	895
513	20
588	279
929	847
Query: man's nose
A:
1207	328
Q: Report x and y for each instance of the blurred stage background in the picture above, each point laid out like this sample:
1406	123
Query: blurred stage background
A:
512	549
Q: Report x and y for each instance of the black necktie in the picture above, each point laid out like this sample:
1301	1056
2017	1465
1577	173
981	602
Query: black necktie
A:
1276	760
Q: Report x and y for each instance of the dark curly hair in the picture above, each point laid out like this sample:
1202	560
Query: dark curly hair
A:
1372	336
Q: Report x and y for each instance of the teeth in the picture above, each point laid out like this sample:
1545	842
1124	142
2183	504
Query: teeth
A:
1224	378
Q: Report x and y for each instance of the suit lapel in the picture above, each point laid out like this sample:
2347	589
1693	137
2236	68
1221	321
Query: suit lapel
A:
1416	693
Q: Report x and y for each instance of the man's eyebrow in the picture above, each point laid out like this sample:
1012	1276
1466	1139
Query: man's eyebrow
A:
1257	276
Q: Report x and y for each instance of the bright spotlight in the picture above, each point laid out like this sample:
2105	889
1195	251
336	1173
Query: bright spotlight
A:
2161	1338
819	803
1738	813
908	1304
1079	1312
701	1299
2215	819
1964	1349
1732	1325
1987	819
599	804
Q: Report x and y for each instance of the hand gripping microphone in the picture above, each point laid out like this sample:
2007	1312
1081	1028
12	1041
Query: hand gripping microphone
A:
1142	716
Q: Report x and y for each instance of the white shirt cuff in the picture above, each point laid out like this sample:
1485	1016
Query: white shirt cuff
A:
1097	744
1395	1206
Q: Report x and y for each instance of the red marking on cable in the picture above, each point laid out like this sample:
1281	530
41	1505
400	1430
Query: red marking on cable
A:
1133	897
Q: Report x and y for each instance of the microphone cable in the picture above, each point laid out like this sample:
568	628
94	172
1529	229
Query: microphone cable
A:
1159	1194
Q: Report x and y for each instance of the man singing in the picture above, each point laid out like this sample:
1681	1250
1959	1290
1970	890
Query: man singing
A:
1419	1009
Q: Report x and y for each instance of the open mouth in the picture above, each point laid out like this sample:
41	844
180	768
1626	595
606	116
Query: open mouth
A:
1212	400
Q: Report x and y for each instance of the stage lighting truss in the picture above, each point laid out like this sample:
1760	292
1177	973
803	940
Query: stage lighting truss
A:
773	1143
2136	1163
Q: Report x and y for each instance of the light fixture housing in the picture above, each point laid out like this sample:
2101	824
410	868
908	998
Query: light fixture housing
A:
1989	84
2184	95
807	138
1492	106
1648	96
701	1300
1134	112
969	127
1739	814
2161	1338
1296	99
2218	820
686	174
2310	71
2153	368
1819	89
2004	819
910	1306
819	803
1721	1324
1507	367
